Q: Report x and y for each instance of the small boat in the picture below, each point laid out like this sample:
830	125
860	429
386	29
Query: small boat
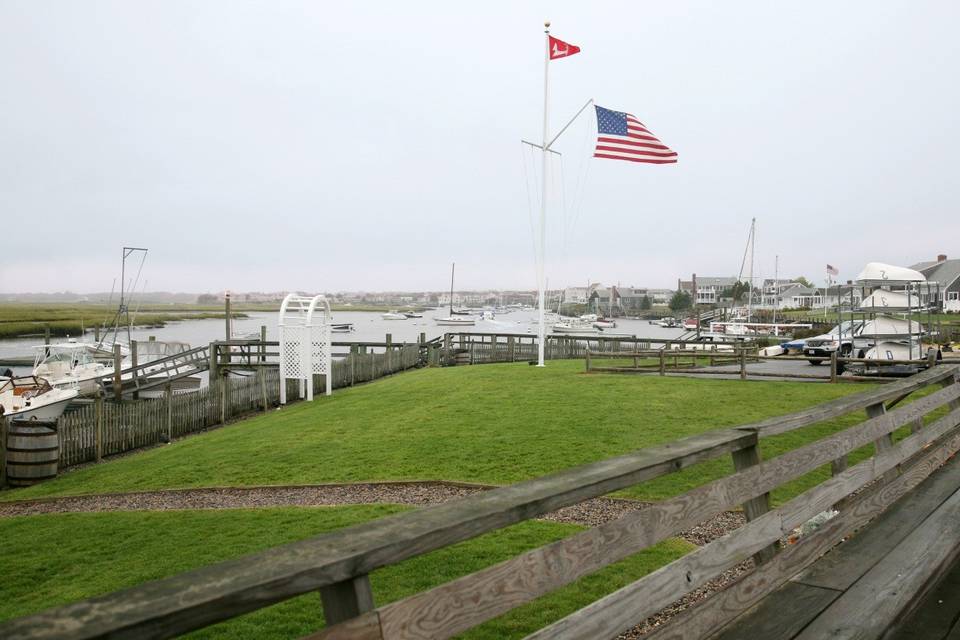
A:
604	323
461	321
32	398
342	327
691	324
667	322
456	318
69	365
393	315
573	325
411	314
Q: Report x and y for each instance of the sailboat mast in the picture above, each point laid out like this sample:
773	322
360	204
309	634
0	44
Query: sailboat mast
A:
776	289
541	264
753	222
453	266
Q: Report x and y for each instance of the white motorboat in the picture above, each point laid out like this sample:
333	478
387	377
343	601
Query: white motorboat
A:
573	325
70	365
455	321
32	398
393	315
411	314
601	322
668	322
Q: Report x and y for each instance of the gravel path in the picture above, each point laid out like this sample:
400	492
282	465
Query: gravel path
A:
589	513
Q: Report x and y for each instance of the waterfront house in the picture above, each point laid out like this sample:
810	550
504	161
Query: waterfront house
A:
947	274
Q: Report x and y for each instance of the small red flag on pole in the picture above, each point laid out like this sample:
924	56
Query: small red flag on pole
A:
561	49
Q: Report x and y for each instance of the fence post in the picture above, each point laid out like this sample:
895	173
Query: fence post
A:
134	361
588	359
263	343
3	451
353	366
263	386
389	349
662	367
512	348
168	395
755	507
98	429
117	390
743	363
346	599
885	441
224	396
493	348
833	366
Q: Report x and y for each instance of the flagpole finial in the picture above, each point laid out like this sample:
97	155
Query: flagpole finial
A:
546	24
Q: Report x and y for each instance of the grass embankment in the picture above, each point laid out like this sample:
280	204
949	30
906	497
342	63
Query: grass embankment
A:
494	424
71	319
55	559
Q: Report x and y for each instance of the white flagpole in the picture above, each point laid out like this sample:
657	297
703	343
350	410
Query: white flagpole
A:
541	334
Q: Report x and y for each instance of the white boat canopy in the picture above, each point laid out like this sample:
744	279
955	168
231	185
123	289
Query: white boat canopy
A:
880	273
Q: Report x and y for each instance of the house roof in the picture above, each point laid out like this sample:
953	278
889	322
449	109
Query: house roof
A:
945	272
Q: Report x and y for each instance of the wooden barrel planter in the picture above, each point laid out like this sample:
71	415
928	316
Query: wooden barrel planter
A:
33	452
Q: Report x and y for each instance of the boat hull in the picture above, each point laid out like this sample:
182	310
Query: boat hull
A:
454	322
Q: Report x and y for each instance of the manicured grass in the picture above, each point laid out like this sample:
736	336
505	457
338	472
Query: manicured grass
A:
491	424
55	559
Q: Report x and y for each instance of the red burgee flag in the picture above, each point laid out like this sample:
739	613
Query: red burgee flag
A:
561	49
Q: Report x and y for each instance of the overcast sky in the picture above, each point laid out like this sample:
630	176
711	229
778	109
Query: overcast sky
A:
345	146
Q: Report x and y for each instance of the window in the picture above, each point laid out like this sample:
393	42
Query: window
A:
953	295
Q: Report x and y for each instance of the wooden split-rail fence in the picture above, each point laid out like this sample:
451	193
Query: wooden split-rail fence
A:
338	564
484	347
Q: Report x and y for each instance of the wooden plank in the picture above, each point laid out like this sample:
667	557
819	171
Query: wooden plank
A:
165	608
632	604
709	615
846	564
782	614
363	627
869	607
937	614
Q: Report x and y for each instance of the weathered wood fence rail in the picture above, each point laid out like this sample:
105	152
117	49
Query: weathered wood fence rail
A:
338	564
236	387
482	347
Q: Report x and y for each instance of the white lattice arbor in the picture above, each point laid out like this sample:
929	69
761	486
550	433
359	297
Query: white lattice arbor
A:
304	342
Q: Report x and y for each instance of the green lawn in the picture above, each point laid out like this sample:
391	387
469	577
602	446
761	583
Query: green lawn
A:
55	559
492	424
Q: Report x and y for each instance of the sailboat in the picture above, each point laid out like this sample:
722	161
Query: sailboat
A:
454	320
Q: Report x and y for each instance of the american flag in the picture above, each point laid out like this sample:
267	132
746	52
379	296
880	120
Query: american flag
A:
832	270
620	136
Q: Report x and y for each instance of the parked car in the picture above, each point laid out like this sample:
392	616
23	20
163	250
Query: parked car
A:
839	339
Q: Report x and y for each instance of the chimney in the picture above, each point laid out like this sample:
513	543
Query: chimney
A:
942	257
